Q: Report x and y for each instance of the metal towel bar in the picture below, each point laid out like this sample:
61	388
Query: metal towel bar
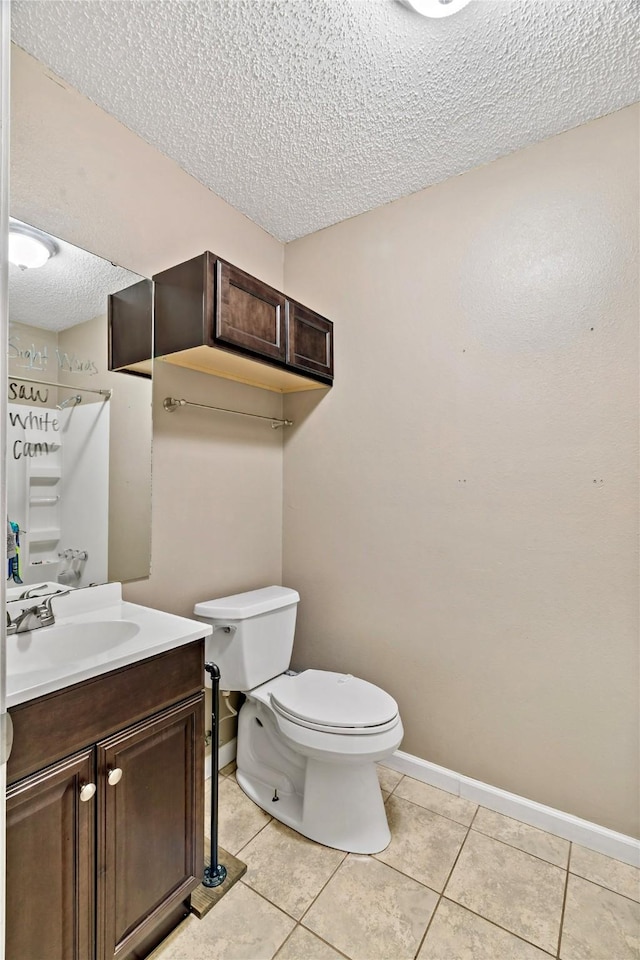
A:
170	404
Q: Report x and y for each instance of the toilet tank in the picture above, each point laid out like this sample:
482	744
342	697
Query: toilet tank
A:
259	642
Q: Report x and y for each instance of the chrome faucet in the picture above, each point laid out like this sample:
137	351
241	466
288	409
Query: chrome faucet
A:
41	615
32	591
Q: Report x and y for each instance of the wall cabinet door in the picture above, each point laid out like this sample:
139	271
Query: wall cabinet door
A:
50	863
150	827
309	340
249	313
209	315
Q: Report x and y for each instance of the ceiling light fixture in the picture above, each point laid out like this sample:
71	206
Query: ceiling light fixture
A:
29	248
436	8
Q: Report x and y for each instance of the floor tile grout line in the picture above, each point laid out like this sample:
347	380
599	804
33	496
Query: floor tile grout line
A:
314	934
407	876
603	886
333	873
490	836
531	826
494	923
297	919
270	902
263	827
465	907
513	847
441	895
391	792
518	849
431	810
444	887
481	806
285	941
564	902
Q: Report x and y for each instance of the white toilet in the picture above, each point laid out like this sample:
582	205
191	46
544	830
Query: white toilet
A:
307	742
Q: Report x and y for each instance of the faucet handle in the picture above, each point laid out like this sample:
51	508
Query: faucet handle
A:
46	608
32	591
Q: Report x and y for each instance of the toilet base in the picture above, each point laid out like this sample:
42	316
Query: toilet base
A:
334	803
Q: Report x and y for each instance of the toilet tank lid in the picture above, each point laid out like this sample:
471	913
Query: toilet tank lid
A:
241	606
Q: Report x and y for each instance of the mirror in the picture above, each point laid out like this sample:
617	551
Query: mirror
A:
79	435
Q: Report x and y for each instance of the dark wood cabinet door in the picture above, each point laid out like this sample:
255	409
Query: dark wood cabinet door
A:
150	825
249	313
309	341
50	863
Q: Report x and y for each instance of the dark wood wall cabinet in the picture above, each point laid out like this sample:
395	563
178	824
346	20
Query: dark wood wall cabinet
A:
130	326
209	315
105	845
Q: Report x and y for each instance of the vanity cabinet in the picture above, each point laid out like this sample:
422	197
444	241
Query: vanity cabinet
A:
211	316
50	863
105	845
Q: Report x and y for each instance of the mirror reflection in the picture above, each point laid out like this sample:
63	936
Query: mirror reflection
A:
78	436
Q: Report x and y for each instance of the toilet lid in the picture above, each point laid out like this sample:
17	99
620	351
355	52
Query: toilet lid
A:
335	700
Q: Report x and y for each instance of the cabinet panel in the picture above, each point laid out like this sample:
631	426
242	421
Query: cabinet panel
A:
183	306
50	864
213	317
250	314
150	837
309	340
130	323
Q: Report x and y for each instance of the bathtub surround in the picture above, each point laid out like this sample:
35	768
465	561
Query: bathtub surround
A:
459	510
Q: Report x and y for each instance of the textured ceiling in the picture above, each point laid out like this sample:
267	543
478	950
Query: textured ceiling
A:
70	288
301	113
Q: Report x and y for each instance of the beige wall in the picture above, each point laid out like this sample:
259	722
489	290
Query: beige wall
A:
461	510
217	482
441	517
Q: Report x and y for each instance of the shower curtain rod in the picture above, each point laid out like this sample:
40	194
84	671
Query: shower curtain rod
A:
107	394
170	404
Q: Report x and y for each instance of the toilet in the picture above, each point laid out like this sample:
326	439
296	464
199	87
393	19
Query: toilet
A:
308	742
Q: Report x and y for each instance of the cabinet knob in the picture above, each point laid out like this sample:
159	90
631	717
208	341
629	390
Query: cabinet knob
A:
87	791
114	776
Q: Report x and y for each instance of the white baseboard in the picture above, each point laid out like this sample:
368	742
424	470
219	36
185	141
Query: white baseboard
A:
565	825
226	753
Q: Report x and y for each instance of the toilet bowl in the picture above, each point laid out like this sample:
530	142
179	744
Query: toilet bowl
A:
307	742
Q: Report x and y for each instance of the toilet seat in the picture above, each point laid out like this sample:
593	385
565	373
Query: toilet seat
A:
334	703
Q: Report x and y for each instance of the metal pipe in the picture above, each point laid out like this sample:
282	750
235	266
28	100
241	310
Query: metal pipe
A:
215	873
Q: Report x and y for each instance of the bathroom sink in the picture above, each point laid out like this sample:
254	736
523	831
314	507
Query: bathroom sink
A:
59	646
95	632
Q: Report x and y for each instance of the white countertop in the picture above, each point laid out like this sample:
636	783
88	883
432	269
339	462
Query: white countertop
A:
96	631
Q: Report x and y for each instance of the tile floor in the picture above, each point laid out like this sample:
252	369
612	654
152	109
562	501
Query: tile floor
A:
457	882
